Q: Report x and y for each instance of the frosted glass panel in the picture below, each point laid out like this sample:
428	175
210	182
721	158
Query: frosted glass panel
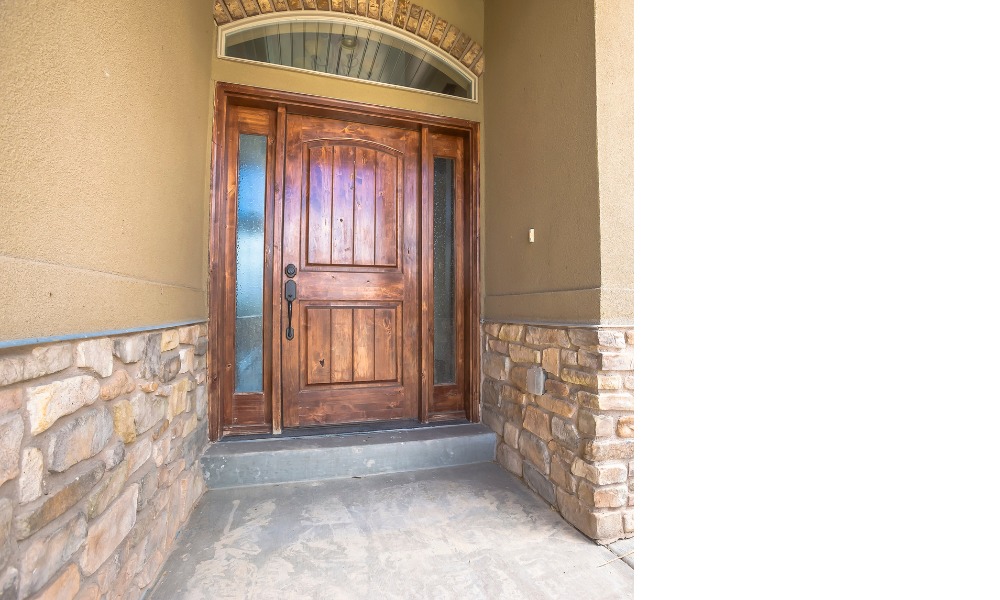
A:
250	263
444	270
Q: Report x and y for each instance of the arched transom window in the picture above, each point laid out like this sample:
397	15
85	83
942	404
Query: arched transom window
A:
344	47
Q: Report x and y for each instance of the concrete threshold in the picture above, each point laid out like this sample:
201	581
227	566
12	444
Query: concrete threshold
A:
270	461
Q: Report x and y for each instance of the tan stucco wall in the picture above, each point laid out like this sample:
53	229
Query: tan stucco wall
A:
104	118
542	152
104	169
614	59
465	14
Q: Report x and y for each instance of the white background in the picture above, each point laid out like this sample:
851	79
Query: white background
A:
817	212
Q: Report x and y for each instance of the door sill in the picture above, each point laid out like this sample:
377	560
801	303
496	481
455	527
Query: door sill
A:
347	429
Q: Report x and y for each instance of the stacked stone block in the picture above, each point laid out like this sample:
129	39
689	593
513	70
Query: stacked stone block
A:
561	402
99	448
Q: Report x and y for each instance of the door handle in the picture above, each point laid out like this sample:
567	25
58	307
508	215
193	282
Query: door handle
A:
290	294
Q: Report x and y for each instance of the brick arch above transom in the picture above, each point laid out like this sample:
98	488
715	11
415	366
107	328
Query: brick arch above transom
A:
401	14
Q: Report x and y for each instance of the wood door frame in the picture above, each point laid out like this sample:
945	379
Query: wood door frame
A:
229	95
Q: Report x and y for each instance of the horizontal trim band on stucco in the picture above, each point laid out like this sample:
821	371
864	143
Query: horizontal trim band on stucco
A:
42	300
581	306
592	306
576	325
585	289
93	334
87	271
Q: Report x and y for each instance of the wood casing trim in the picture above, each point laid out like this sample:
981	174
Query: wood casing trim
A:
283	103
426	277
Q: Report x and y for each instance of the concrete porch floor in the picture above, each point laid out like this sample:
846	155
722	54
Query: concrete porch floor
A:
471	531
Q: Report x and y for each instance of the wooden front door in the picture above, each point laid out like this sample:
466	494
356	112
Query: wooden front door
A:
343	266
350	236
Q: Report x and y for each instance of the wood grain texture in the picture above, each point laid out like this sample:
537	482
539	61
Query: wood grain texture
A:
318	345
320	214
342	344
366	308
426	275
273	289
385	344
364	206
446	398
386	246
217	398
343	206
390	292
473	275
245	409
364	344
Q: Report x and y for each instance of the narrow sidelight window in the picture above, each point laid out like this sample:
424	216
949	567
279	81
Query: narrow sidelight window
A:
444	270
250	196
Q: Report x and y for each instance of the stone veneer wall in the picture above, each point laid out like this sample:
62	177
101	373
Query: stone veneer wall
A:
99	448
561	401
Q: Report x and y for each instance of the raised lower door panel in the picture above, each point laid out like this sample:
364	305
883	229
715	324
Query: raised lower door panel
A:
349	345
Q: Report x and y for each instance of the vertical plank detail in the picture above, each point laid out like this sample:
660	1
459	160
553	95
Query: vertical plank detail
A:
343	206
320	199
317	327
364	344
342	343
385	210
364	207
385	344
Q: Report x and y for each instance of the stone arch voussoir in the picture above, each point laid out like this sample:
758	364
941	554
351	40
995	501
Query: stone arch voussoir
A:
402	14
